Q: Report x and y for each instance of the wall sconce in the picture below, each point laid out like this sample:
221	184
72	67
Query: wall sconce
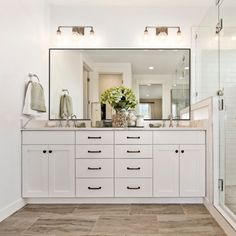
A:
162	31
76	30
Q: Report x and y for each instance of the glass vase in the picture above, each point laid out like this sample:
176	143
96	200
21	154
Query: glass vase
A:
119	119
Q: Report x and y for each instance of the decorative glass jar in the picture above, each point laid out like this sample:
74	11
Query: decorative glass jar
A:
119	119
131	118
140	121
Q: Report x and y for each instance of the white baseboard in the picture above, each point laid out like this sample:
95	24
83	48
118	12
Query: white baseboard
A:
11	208
219	218
113	200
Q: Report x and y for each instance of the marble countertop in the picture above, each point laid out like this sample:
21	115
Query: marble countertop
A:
112	129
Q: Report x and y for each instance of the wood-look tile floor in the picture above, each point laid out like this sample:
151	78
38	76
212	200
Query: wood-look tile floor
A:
111	220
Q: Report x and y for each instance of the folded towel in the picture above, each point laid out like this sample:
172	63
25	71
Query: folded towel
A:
66	107
37	97
27	103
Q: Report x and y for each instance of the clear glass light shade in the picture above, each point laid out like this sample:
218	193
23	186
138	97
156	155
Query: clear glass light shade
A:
162	36
145	34
91	32
58	34
179	35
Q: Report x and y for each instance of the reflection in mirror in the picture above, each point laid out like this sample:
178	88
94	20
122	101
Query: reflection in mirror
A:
150	101
160	79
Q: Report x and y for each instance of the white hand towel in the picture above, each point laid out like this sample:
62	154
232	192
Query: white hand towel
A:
27	103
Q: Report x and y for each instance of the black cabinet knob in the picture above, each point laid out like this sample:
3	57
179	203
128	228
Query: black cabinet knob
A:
44	151
50	151
176	151
182	151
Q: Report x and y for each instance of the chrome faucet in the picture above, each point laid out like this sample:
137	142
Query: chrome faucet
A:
74	116
171	120
67	121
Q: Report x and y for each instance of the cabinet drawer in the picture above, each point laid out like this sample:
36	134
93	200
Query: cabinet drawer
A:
133	137
94	137
94	168
48	137
94	188
133	151
133	168
179	137
94	151
133	188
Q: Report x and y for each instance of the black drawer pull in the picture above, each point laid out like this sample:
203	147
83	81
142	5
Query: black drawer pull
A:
133	188
128	137
44	151
133	151
89	137
95	188
50	151
95	151
182	151
130	168
94	168
176	151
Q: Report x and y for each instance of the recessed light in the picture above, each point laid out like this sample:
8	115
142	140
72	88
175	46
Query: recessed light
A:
186	68
234	38
151	67
148	84
147	95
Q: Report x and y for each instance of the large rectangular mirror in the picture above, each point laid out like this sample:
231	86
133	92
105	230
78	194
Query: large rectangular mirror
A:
160	79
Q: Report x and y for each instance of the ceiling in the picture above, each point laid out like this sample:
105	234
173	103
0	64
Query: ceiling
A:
147	3
163	61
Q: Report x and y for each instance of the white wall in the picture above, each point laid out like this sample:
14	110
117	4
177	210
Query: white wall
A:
23	50
123	26
66	73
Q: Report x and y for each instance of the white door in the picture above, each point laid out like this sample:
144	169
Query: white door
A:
166	170
61	170
35	171
192	170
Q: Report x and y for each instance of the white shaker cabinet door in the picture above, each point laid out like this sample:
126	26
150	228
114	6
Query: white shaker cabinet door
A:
166	170
35	171
192	170
61	170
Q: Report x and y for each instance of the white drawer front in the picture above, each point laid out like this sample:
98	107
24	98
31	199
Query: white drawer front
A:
133	188
133	137
179	137
48	137
94	188
133	168
133	151
94	168
94	137
94	151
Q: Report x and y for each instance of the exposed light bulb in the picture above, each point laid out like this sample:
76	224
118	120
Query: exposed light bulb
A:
75	35
216	36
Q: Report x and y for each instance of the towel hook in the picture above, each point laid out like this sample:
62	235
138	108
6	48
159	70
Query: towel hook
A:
66	90
33	75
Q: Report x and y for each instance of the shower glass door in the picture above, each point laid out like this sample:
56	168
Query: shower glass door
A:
227	83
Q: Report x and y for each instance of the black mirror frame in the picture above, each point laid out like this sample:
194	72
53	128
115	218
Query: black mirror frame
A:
157	49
